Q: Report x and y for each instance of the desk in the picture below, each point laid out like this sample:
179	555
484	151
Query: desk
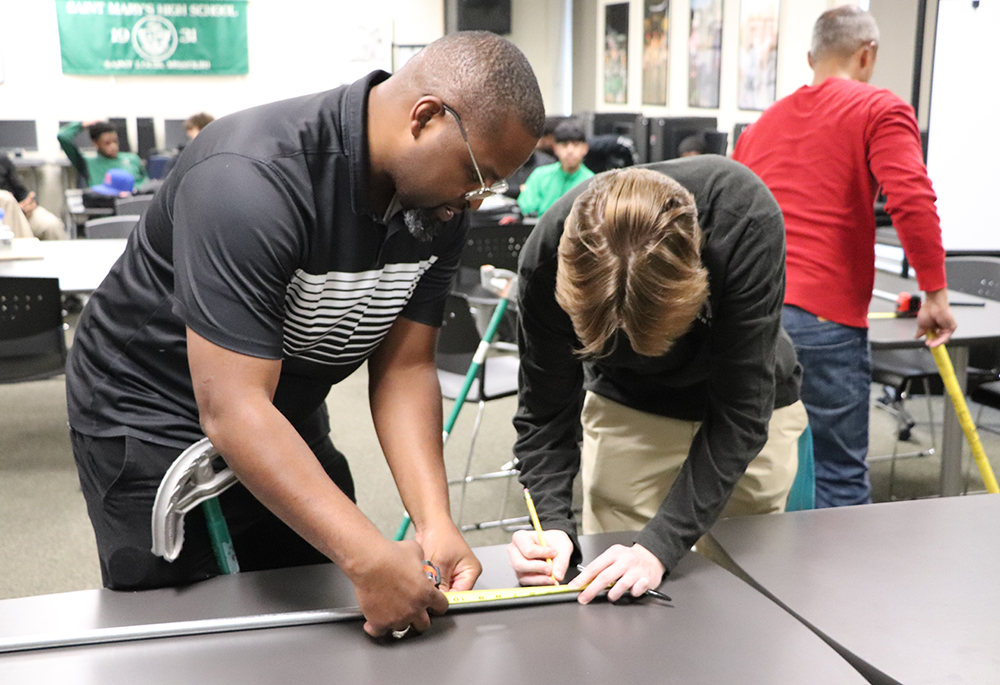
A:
717	630
80	265
911	587
975	325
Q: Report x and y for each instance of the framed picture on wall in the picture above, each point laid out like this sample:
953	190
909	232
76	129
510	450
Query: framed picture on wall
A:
616	53
705	53
757	73
655	51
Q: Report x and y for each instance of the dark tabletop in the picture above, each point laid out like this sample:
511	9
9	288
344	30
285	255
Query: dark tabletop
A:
911	587
716	630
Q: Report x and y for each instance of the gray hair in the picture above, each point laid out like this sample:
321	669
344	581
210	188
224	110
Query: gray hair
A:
484	76
841	31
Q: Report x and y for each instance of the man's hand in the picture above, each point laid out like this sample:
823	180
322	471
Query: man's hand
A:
28	204
632	569
529	559
935	319
447	549
393	591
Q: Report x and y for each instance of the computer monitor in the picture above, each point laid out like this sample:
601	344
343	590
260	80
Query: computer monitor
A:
145	137
628	124
174	134
82	139
18	135
666	134
738	129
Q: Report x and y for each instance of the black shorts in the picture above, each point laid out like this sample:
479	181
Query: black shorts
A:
119	477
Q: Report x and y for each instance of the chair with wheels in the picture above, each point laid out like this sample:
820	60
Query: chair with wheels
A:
32	334
497	378
120	226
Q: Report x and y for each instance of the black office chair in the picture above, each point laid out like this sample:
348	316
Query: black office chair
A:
497	378
32	335
901	370
610	151
120	226
135	204
980	276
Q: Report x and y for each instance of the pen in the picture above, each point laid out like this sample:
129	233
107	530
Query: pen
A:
536	523
651	593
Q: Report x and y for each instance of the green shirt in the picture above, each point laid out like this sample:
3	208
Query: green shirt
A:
96	165
546	184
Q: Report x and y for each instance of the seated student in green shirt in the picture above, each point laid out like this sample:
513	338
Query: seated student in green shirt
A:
548	183
108	157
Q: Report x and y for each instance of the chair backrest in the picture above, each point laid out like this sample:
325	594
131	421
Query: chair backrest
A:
32	340
499	245
135	204
111	226
978	276
459	337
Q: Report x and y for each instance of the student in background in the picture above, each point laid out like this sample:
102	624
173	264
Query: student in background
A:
824	151
108	156
44	224
196	122
548	183
692	145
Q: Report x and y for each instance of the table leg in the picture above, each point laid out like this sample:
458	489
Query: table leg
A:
952	441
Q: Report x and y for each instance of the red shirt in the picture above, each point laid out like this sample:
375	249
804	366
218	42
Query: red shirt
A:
824	151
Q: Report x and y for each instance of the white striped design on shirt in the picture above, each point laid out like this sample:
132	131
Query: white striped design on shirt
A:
341	317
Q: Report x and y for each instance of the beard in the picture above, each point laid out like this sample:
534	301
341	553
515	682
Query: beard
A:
422	224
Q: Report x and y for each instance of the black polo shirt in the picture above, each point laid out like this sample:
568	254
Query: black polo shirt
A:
263	242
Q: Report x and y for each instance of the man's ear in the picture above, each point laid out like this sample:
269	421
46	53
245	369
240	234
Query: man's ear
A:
422	112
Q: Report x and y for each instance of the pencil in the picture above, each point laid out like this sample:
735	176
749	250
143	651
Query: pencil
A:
536	523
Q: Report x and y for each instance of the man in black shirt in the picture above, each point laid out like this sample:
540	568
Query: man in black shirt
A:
291	243
657	290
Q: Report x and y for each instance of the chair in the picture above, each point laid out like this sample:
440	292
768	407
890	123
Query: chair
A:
457	344
111	227
32	335
899	370
802	496
136	204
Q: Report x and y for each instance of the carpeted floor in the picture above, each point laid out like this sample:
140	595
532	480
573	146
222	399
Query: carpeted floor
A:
46	543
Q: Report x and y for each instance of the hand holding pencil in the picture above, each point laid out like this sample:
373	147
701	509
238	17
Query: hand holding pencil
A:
539	557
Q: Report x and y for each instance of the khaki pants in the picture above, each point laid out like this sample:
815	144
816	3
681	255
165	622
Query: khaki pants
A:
46	225
42	223
14	218
631	458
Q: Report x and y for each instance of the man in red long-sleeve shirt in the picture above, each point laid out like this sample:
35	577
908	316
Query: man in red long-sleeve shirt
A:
824	151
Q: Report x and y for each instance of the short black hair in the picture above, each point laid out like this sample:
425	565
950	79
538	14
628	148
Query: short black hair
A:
484	76
570	132
99	129
693	143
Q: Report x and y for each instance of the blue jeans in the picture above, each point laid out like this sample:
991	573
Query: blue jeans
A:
836	386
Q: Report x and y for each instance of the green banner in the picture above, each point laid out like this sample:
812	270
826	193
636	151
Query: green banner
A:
149	38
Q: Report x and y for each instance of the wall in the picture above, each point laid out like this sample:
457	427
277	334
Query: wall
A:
295	47
796	20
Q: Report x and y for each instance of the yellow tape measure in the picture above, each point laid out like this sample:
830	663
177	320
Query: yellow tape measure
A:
465	597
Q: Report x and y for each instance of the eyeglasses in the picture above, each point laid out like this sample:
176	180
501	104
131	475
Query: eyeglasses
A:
484	192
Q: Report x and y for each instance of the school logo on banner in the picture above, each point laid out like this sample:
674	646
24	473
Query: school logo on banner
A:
146	38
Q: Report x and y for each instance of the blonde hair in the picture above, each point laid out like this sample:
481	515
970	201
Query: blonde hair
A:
630	262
